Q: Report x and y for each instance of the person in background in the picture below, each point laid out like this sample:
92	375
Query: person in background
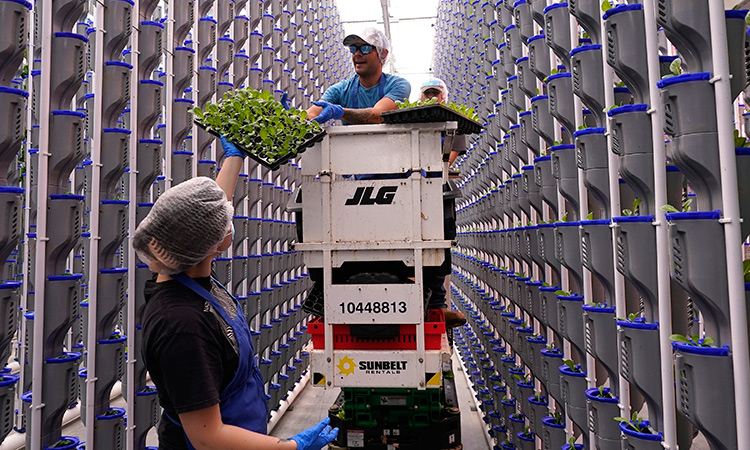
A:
196	344
434	277
362	98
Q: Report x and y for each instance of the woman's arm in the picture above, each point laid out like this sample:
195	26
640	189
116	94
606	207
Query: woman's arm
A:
227	178
206	431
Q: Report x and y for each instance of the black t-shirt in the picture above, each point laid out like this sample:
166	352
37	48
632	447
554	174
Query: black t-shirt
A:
189	350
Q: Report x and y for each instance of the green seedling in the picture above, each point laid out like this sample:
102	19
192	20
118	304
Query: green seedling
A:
695	340
632	317
606	5
747	18
636	423
590	216
539	397
739	141
255	121
686	206
62	443
563	292
572	366
676	67
527	433
556	416
634	211
572	442
746	270
596	304
461	109
603	394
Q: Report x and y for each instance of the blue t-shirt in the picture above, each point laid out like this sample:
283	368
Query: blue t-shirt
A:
396	88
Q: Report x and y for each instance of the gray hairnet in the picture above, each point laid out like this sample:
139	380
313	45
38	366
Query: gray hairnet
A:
185	225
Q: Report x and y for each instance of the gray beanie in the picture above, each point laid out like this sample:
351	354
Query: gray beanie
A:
185	225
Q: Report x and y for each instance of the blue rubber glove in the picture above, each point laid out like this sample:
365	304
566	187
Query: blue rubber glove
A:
230	149
316	437
284	101
330	111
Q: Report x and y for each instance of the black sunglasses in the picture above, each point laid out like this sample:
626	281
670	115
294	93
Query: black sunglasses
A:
365	49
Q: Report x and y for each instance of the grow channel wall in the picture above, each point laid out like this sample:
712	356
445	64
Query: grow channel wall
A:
97	101
563	237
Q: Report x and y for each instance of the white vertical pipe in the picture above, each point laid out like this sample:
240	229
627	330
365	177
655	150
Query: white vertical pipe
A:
93	256
26	211
169	94
196	92
37	359
731	220
132	211
615	208
662	236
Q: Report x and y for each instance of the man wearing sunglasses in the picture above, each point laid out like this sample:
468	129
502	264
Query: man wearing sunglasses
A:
362	98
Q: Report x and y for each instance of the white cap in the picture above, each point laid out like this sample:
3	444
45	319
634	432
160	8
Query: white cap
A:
374	37
435	83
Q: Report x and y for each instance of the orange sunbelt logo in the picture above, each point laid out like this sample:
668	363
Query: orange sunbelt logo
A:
346	366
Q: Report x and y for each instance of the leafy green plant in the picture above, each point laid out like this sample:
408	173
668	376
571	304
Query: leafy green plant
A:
596	304
606	5
746	270
590	216
62	443
739	141
556	416
602	393
527	433
632	317
634	211
572	442
695	340
255	121
686	205
676	67
573	366
563	292
635	422
461	109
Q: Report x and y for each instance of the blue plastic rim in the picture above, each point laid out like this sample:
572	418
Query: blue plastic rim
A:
592	394
735	13
550	422
621	9
694	215
638	325
538	97
593	130
595	222
599	309
627	429
625	219
639	107
555	148
585	48
555	6
558	75
565	370
570	298
684	78
119	412
534	38
696	350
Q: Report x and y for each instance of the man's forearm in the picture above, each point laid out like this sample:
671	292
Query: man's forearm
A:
362	116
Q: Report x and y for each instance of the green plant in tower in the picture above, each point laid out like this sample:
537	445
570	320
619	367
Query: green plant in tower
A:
739	141
461	109
636	423
255	121
746	270
695	340
602	393
686	205
634	211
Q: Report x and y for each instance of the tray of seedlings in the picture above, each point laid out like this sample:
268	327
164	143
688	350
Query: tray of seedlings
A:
259	126
431	111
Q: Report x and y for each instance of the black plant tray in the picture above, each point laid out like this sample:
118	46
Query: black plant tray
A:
432	113
279	162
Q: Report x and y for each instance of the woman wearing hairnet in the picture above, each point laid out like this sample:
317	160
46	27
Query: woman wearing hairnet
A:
197	344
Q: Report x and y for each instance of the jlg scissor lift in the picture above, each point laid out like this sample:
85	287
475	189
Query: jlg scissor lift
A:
372	198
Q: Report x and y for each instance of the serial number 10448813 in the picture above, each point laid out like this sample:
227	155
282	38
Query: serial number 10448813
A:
373	307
